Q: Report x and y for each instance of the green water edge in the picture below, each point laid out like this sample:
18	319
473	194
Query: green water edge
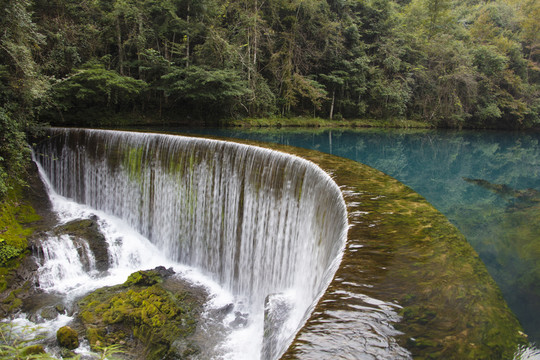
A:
413	256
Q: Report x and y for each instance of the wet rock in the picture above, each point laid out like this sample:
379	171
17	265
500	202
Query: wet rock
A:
67	338
60	308
163	272
28	351
48	313
148	277
277	309
226	310
20	287
241	320
154	314
87	231
42	305
185	348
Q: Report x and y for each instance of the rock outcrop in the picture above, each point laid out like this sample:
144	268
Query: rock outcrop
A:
153	315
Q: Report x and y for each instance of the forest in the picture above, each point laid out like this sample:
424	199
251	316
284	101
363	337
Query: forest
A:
447	63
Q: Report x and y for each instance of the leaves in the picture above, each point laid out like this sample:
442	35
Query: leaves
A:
96	86
14	154
440	61
205	87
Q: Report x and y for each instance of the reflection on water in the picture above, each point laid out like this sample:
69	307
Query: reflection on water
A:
486	183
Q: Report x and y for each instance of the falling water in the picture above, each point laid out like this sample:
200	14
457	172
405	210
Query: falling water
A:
263	224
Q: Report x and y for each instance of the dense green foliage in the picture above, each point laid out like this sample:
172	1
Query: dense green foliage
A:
442	62
21	85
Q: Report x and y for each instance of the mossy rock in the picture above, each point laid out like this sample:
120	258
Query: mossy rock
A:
151	310
25	213
28	351
67	338
148	277
87	230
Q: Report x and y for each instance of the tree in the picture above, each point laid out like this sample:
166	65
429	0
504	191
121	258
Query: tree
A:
97	90
20	87
440	61
210	92
14	153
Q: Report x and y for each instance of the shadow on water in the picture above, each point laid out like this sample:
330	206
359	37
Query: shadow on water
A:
486	183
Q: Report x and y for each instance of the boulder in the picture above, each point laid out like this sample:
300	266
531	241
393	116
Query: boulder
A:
153	314
87	230
67	338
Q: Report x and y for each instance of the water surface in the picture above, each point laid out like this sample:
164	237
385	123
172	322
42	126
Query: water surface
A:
486	183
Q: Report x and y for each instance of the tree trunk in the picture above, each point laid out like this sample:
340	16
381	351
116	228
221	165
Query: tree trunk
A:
140	45
120	48
256	12
332	105
187	37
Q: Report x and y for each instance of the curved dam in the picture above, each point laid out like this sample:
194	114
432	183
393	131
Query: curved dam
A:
367	267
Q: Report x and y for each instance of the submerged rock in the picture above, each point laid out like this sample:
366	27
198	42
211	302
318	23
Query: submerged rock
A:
528	197
154	315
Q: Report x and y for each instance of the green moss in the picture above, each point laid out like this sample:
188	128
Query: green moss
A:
133	162
12	221
141	308
28	351
12	303
16	218
94	335
143	278
67	338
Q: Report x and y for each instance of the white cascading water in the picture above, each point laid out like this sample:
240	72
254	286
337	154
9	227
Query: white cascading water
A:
69	273
256	221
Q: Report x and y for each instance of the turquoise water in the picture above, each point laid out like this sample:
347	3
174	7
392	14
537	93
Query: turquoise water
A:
497	208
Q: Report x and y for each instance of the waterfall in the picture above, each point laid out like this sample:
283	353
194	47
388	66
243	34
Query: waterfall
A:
257	221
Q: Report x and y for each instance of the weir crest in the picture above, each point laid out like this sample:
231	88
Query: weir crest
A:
257	221
355	265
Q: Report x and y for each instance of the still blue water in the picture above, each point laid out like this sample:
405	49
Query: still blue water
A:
499	216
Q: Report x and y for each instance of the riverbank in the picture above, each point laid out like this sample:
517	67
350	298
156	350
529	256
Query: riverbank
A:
308	122
132	119
151	120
